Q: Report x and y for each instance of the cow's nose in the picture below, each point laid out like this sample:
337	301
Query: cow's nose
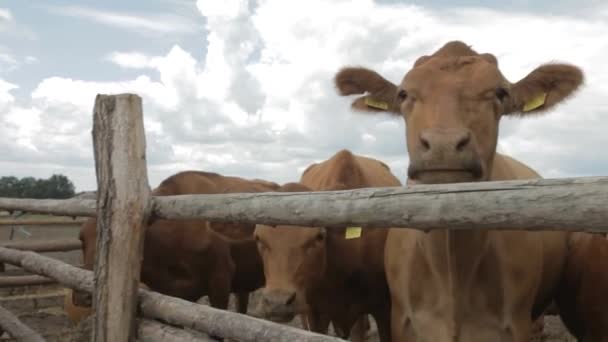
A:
280	297
448	140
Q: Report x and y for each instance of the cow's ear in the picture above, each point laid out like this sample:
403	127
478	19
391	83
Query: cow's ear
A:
544	88
381	94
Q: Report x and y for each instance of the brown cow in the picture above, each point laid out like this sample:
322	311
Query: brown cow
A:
583	296
192	258
465	285
321	273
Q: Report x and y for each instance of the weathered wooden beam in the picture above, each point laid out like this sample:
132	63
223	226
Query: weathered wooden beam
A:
123	202
26	280
73	277
19	331
199	317
153	331
544	204
41	222
57	245
221	323
68	207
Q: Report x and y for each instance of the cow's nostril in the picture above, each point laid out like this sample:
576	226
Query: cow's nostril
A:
291	299
464	141
425	143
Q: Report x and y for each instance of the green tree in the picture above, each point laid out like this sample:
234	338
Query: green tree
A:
57	186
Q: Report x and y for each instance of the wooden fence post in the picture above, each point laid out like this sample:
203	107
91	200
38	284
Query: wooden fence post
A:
123	204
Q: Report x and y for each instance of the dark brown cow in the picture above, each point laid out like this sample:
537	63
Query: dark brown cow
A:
464	285
320	272
192	258
583	296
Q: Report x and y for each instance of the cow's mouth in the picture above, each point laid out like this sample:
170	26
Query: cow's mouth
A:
280	317
435	175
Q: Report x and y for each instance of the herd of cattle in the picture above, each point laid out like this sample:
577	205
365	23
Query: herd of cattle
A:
440	285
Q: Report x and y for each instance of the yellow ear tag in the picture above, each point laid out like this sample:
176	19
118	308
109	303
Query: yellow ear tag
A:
352	233
535	102
375	103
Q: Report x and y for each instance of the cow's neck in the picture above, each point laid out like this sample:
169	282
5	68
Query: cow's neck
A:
454	256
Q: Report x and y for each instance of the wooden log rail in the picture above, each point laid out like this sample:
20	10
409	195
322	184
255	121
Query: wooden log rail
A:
26	280
43	223
19	331
56	245
573	204
153	305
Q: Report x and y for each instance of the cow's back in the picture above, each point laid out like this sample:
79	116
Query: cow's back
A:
345	171
208	183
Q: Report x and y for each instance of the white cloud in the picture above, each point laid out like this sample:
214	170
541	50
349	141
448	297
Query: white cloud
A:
5	92
159	23
5	14
132	60
262	101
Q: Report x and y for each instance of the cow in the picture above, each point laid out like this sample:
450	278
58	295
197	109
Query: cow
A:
193	258
464	285
582	299
320	272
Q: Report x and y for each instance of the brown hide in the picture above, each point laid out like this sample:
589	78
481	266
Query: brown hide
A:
583	294
464	285
200	182
193	258
318	271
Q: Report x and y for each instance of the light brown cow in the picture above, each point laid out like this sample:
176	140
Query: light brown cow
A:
192	258
319	272
464	285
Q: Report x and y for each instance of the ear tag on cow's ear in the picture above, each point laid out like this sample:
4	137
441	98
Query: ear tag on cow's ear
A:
370	102
536	102
352	233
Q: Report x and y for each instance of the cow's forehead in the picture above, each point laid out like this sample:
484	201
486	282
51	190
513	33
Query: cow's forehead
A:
475	70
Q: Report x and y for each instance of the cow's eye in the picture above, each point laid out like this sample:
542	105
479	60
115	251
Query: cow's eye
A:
402	95
501	94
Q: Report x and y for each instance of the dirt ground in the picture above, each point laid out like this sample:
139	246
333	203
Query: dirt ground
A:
40	307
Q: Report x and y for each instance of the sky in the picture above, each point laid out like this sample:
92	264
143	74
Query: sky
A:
245	88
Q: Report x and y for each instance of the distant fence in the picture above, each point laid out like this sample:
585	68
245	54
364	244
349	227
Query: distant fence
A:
124	203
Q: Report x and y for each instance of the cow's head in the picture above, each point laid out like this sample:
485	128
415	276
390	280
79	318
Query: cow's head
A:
452	102
294	260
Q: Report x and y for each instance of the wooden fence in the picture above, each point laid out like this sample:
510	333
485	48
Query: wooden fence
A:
124	203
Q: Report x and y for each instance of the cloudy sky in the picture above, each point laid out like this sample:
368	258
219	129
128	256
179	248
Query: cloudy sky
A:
245	87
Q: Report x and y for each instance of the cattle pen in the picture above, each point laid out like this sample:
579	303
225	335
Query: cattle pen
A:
124	203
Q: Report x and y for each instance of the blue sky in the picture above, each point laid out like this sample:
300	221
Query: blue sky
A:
244	88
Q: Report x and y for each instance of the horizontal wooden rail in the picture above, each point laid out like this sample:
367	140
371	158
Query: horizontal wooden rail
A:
57	245
68	207
573	204
41	222
25	280
172	310
19	331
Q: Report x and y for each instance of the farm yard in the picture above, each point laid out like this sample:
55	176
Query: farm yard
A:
319	171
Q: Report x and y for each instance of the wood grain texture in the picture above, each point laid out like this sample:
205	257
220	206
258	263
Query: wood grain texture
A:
573	204
123	203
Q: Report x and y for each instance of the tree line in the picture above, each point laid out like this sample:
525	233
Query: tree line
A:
57	186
